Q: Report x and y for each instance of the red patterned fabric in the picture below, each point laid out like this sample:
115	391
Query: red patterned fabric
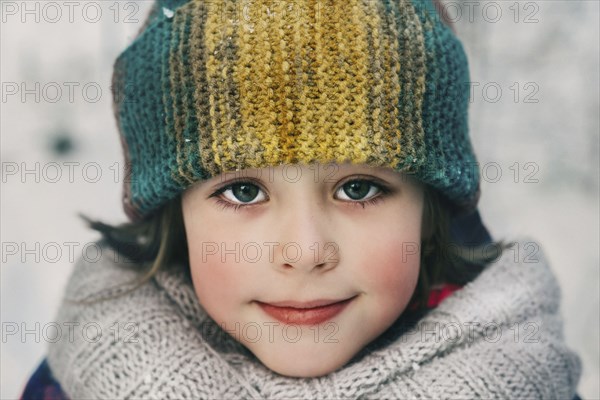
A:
438	294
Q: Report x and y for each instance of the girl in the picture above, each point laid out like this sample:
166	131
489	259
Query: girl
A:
303	203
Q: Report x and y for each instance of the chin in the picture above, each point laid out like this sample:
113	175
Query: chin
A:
304	361
310	369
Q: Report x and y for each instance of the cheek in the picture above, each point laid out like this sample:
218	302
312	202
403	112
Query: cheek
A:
209	272
389	268
218	285
403	273
216	272
393	274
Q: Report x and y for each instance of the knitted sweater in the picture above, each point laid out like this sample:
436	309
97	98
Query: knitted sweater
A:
498	337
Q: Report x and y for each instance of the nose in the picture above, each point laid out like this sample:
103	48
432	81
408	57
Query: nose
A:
306	243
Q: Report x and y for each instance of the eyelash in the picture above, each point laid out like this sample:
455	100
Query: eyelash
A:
372	200
224	204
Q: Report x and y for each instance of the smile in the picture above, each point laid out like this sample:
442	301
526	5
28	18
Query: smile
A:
305	313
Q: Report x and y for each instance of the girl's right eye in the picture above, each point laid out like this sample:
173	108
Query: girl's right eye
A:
242	193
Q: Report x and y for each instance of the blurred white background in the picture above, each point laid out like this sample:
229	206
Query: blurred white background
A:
534	124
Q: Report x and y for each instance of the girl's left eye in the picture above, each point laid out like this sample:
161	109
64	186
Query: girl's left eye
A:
356	190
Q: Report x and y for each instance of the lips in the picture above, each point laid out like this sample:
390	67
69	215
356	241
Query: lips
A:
304	313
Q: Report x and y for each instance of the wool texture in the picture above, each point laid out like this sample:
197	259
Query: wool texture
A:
214	87
500	337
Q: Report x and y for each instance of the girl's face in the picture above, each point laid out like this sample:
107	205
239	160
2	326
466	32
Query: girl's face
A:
305	264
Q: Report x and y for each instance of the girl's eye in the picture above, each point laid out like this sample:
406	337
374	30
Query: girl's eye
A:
357	190
244	193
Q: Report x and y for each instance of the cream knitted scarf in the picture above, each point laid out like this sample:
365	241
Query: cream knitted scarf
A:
498	337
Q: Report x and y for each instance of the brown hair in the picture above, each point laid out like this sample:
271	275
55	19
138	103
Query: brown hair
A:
443	260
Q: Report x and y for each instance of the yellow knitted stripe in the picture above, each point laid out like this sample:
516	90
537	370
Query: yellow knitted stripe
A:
290	123
316	125
334	120
248	91
279	107
257	75
254	76
229	63
330	53
358	146
214	69
285	71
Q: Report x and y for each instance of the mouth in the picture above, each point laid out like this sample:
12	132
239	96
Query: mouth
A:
305	313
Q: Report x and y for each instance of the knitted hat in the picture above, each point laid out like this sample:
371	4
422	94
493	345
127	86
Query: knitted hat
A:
215	86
